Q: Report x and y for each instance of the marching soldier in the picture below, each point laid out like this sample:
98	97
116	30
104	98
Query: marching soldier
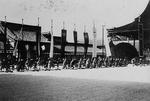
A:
93	64
64	64
83	63
87	64
3	64
79	63
27	64
50	64
38	64
99	62
72	64
35	65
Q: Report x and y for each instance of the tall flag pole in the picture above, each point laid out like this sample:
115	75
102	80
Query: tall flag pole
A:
103	48
94	42
5	32
17	39
38	38
52	41
21	32
38	21
140	37
106	42
22	27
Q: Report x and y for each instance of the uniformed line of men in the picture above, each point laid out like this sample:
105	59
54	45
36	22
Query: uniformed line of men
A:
99	62
66	63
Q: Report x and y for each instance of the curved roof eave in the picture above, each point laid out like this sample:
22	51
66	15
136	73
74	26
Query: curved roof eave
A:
133	26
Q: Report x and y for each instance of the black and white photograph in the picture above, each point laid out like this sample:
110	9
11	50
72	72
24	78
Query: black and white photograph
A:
74	50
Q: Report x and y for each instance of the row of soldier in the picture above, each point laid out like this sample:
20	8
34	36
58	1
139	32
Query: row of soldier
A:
66	63
90	63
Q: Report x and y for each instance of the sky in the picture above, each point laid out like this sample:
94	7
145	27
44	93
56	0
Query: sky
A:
74	13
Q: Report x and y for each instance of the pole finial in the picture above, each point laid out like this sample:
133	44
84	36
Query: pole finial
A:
52	23
84	28
38	21
63	25
52	26
94	27
74	27
22	21
5	18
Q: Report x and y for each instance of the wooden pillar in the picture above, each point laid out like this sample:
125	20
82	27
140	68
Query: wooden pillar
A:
141	38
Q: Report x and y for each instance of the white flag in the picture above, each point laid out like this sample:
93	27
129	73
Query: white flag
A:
106	43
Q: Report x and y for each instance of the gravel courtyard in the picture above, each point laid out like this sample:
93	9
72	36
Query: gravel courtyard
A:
108	84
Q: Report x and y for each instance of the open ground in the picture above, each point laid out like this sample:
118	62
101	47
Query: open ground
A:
103	84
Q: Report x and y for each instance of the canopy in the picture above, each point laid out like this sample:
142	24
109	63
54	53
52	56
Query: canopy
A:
131	29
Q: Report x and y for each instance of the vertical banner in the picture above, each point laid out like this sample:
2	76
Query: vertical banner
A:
86	42
141	38
63	41
106	44
38	41
75	42
94	54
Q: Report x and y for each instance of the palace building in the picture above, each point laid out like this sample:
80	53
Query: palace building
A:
27	41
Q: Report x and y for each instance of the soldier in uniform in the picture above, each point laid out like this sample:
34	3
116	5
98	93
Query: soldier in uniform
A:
105	62
83	63
64	66
20	65
35	65
38	64
57	63
93	63
72	64
27	64
116	62
99	63
3	64
7	65
133	61
50	63
79	63
111	61
87	64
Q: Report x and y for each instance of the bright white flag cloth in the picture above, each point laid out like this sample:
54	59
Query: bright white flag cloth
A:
106	43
